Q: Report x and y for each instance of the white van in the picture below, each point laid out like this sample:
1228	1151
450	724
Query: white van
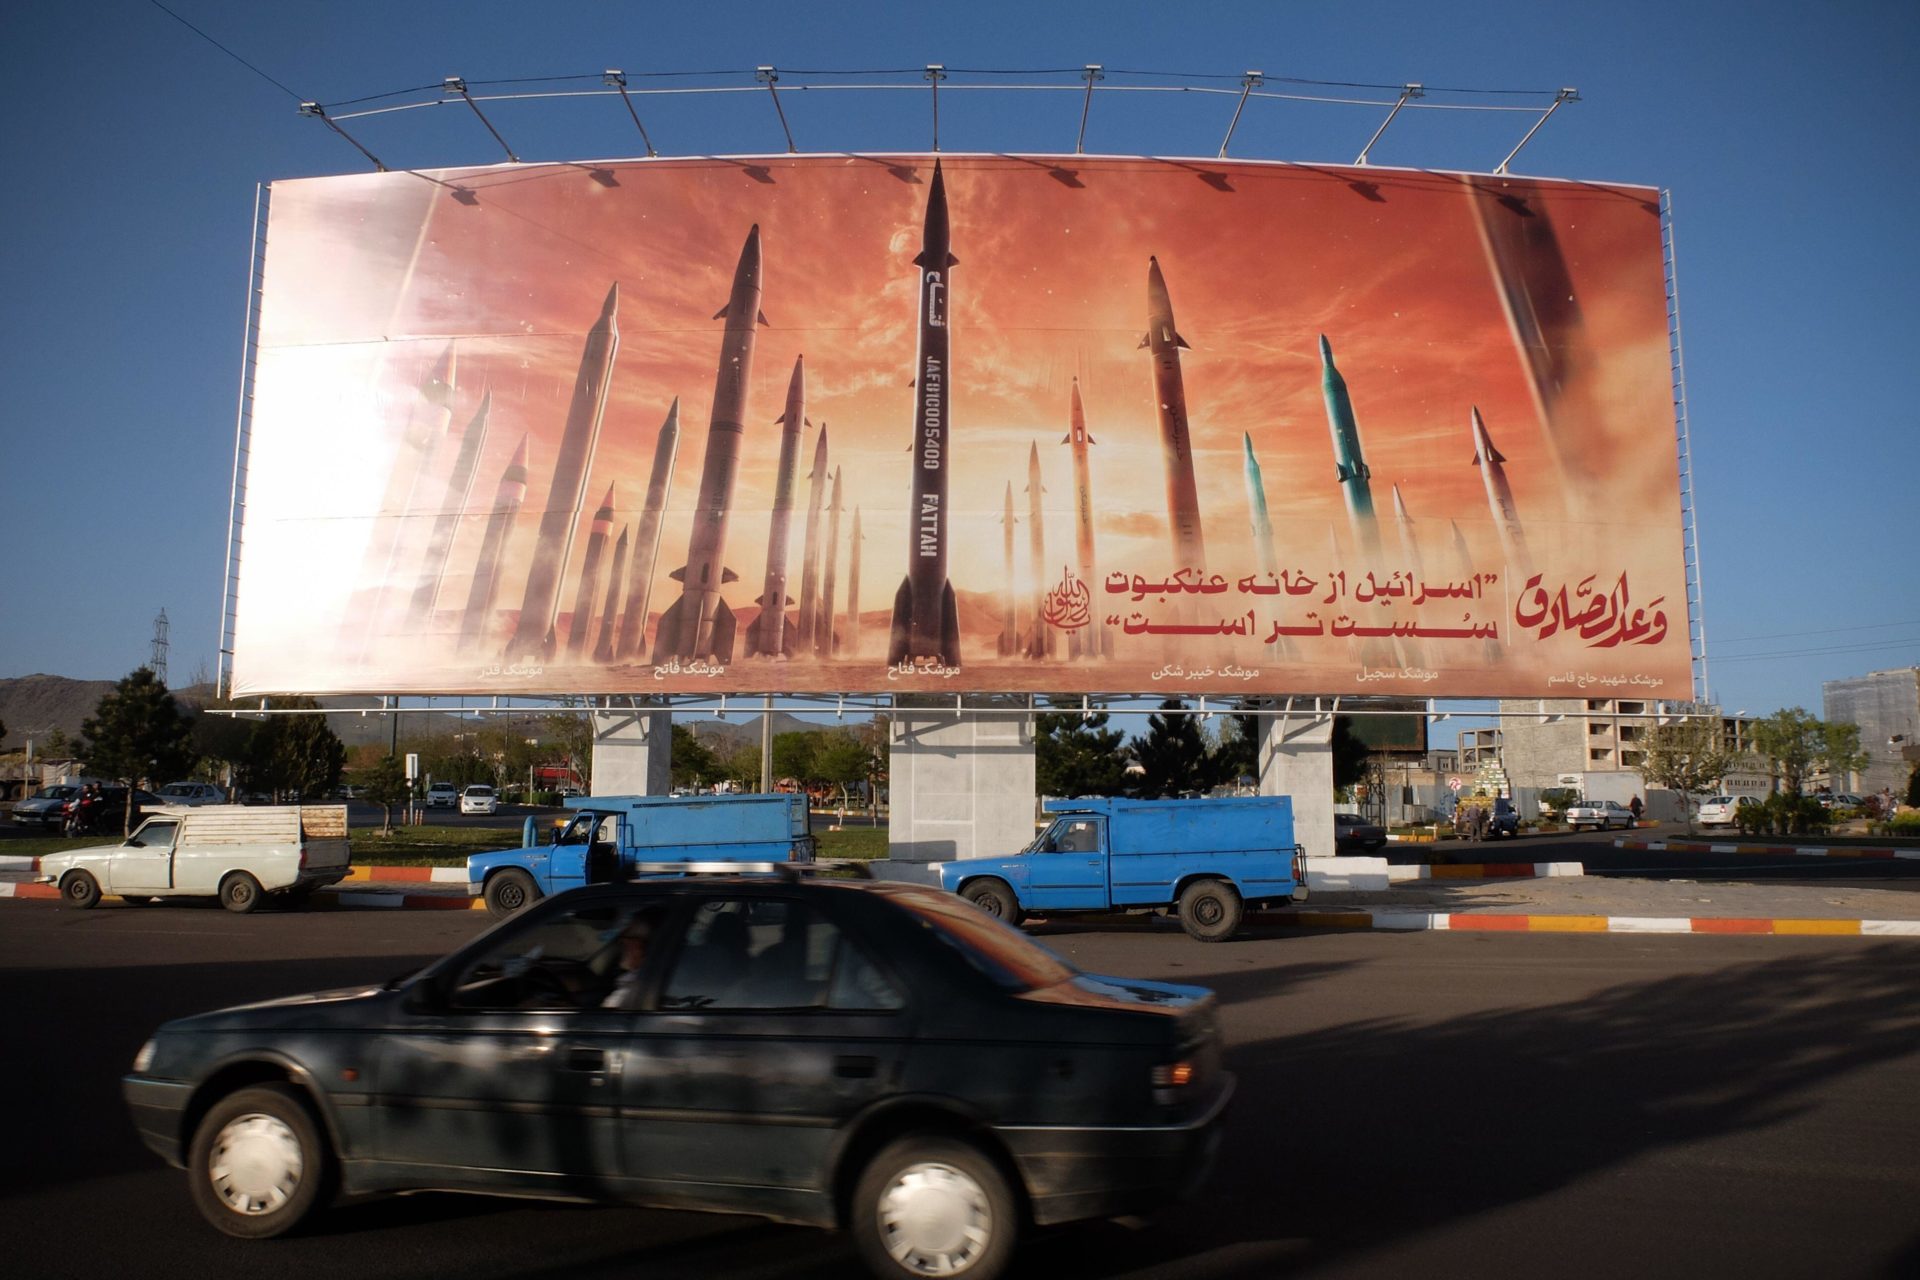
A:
238	855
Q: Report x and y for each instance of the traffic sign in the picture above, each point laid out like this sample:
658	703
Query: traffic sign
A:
1454	783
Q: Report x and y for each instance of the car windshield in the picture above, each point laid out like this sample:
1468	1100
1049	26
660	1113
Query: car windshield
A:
1004	954
479	791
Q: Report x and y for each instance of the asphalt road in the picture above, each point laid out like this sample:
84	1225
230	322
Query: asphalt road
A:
1501	1105
1596	851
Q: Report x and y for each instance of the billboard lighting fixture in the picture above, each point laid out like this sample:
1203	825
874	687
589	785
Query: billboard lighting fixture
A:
1407	94
318	112
771	78
1248	83
1092	74
1565	95
614	78
457	84
935	73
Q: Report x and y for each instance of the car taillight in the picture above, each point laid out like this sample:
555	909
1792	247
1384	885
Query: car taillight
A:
1169	1079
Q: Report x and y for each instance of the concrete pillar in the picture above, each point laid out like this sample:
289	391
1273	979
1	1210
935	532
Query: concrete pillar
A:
960	787
1296	759
632	752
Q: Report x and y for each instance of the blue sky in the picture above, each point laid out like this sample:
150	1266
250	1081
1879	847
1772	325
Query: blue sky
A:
1786	133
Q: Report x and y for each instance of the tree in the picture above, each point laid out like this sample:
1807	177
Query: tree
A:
1349	753
384	782
874	736
793	757
741	767
137	732
1078	756
693	762
1173	752
56	747
572	737
1687	756
1798	744
1913	787
841	760
294	756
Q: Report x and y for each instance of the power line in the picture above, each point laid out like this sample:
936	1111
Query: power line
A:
222	48
1805	653
1826	631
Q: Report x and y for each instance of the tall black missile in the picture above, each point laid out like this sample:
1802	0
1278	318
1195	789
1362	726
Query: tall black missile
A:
1506	516
478	618
610	616
1091	641
850	643
646	544
700	625
1164	342
768	633
1009	608
1349	459
810	558
581	622
1040	643
560	518
823	643
453	505
926	619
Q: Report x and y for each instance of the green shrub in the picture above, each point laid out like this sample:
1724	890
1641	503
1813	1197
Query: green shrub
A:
1905	824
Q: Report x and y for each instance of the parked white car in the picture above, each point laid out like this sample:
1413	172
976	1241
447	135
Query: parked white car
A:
443	795
192	794
234	853
479	798
1599	814
1718	811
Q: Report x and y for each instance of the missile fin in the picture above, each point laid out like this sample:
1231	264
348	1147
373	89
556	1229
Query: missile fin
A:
723	631
679	575
762	318
1146	340
666	639
1181	342
1067	438
949	627
902	620
728	575
721	314
1090	439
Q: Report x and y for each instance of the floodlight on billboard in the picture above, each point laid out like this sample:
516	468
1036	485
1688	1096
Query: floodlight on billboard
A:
1086	424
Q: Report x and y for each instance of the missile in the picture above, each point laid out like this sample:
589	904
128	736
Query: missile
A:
823	636
810	556
581	621
610	616
1349	460
646	544
851	644
1170	394
926	619
768	633
1403	523
1040	643
453	505
1091	640
478	618
560	517
1506	518
1009	621
427	420
1262	526
700	625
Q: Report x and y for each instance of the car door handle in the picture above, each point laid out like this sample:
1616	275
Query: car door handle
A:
582	1059
855	1066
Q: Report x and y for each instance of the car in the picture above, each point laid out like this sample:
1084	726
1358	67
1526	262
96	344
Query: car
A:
863	1054
1841	800
1718	811
1354	834
46	807
1599	814
443	795
1502	818
192	794
479	798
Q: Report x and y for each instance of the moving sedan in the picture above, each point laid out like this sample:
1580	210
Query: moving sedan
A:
877	1057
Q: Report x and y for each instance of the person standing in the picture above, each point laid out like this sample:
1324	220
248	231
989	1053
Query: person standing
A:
1635	807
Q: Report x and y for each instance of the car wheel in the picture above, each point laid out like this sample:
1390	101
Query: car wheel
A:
1210	910
258	1163
509	891
995	897
240	893
80	889
931	1206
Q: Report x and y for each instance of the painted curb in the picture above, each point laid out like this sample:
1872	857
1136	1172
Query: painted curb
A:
1485	871
1766	850
1493	922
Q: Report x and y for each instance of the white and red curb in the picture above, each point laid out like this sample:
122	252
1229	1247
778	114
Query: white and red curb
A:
1497	922
1766	850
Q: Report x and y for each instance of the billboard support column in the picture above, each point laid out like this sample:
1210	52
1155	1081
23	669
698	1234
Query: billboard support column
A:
633	751
1296	759
962	786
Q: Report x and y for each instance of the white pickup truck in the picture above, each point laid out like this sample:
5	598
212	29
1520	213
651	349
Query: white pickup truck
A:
238	855
1599	814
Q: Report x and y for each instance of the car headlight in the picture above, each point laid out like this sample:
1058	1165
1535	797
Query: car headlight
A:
144	1059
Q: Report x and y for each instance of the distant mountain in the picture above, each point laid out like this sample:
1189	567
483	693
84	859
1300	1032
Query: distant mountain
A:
38	704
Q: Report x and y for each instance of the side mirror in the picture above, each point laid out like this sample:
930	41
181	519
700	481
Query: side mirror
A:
136	844
554	837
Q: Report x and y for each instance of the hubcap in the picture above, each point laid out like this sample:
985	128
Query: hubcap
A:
241	891
255	1165
935	1220
988	903
512	896
1208	911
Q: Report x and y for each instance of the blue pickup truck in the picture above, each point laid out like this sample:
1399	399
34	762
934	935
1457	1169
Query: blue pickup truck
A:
1206	859
622	837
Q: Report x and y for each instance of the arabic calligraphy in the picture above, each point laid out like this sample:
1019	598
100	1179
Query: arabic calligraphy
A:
692	667
1602	620
1232	671
1587	679
1068	606
512	670
1397	587
912	667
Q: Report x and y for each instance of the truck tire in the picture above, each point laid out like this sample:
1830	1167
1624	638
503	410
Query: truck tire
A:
996	898
509	891
1210	910
80	889
240	893
930	1205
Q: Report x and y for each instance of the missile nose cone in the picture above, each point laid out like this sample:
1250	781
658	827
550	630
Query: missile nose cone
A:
519	455
1246	439
613	301
1326	351
606	503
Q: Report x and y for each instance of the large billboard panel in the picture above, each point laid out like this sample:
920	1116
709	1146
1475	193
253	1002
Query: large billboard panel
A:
981	423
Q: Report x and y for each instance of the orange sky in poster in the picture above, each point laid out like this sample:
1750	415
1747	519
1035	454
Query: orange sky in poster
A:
368	279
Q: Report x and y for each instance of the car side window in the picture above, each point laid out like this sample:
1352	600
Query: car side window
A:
767	953
567	961
156	835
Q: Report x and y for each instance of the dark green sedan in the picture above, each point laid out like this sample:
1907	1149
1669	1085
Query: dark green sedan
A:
875	1057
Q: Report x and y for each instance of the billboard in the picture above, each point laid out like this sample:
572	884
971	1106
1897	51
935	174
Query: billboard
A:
842	423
